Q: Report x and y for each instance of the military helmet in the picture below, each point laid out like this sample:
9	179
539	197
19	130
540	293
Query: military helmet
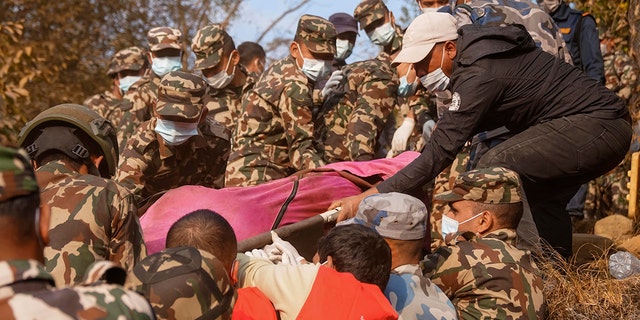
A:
54	129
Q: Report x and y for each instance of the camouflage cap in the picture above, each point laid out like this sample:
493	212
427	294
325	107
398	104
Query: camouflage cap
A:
393	215
370	11
208	45
185	283
164	38
488	185
318	34
132	58
16	174
180	96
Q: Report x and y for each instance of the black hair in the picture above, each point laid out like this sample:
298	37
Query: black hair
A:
358	250
508	215
250	50
20	211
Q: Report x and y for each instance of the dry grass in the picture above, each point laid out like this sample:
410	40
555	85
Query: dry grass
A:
588	291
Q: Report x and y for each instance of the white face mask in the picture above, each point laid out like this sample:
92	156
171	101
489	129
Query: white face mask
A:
343	49
436	80
126	82
175	133
450	225
406	89
314	68
382	35
222	79
164	65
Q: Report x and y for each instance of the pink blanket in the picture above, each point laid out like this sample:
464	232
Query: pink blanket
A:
252	210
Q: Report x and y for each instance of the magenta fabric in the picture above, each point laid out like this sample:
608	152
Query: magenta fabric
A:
252	210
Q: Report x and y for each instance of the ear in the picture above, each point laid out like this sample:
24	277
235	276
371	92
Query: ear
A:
486	222
330	262
294	49
450	49
235	57
392	18
97	160
45	221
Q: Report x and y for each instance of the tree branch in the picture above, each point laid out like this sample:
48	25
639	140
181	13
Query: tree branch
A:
284	14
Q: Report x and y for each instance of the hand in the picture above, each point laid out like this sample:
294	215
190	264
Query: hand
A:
289	253
427	129
332	84
257	253
402	134
349	206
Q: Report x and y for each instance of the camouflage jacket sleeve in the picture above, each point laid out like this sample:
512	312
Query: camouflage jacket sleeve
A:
143	95
374	90
621	74
133	163
126	245
295	105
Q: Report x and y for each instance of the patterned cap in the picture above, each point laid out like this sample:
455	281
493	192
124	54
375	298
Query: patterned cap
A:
132	58
318	34
393	215
370	11
16	174
164	38
208	45
185	283
488	185
180	96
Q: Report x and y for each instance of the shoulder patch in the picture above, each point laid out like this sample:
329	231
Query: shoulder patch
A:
455	102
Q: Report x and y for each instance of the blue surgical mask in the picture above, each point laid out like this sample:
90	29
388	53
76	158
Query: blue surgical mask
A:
382	35
175	133
313	68
222	79
450	225
436	80
343	49
126	82
406	89
164	65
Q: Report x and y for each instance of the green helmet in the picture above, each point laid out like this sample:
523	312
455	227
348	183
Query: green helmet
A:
60	124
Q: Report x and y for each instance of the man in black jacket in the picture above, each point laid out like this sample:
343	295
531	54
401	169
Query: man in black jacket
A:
568	129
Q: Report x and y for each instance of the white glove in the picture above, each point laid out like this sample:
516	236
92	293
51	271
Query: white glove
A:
332	83
402	134
427	129
273	253
257	253
290	255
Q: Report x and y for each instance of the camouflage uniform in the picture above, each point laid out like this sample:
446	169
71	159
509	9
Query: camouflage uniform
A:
209	45
274	132
92	218
150	165
143	95
354	124
107	104
185	283
487	277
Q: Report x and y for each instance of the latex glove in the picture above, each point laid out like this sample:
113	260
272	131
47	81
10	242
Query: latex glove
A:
289	254
257	253
402	134
427	129
273	253
332	84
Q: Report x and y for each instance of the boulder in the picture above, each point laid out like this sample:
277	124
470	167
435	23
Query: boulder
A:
615	227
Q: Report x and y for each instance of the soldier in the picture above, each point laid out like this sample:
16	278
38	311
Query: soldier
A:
127	67
179	146
75	153
347	32
27	290
185	283
580	33
274	132
478	266
402	222
253	58
433	5
165	54
218	59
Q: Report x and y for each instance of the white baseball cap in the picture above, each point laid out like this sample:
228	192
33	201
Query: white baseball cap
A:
422	35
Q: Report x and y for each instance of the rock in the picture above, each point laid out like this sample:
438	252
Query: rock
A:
615	227
632	245
589	247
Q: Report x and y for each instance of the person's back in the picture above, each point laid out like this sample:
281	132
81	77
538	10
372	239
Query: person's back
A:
27	291
94	218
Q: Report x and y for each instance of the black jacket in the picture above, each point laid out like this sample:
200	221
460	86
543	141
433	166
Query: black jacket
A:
499	79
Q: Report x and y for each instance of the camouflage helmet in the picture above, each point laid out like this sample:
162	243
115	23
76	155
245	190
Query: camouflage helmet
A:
132	58
16	174
180	96
318	34
54	129
208	45
487	185
164	38
185	283
370	11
